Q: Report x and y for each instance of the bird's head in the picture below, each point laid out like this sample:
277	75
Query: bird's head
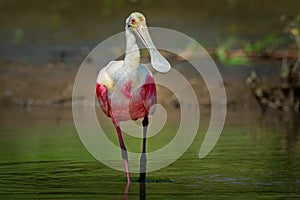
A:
135	19
136	23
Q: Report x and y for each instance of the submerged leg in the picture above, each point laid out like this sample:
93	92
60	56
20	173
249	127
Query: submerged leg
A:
143	160
126	191
123	150
142	190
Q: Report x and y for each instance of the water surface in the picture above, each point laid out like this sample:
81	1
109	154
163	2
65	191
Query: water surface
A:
41	156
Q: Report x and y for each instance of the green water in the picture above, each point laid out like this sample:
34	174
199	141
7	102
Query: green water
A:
256	158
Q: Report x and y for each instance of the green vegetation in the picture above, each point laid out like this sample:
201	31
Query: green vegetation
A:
285	95
293	28
18	36
222	54
269	43
234	51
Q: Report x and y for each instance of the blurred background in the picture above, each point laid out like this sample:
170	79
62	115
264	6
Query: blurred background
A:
255	45
42	32
42	43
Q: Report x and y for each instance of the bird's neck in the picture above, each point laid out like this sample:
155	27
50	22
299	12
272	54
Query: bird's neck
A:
132	56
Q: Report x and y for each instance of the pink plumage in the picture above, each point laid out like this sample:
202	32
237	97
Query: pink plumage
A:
126	89
140	100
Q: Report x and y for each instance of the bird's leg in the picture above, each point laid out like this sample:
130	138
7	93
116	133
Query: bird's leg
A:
126	191
142	190
124	153
123	150
143	160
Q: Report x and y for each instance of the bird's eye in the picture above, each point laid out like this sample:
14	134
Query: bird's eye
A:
133	21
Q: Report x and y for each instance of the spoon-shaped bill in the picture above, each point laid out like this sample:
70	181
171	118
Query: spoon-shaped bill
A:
158	62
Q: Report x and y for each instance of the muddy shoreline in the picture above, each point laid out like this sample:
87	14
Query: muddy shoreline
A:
52	84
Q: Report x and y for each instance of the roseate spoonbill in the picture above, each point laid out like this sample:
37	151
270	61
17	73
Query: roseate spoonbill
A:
126	89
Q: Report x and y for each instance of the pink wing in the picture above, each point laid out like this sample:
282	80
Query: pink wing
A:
142	100
139	100
101	92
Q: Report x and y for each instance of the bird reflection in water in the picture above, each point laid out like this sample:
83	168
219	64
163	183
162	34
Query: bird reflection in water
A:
142	191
